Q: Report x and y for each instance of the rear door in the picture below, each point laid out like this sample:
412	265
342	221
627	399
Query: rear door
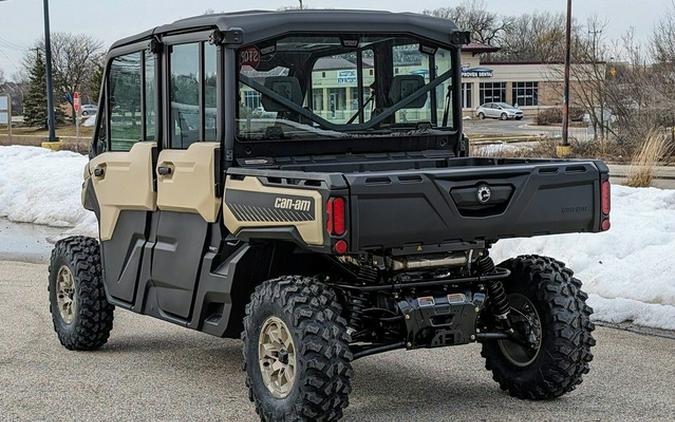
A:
188	201
120	180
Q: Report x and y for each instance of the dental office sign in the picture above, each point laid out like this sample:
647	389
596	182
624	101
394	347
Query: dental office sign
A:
345	77
476	72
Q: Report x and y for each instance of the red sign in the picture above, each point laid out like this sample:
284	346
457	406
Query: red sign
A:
76	101
249	57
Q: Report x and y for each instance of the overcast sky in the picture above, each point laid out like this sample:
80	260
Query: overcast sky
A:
108	20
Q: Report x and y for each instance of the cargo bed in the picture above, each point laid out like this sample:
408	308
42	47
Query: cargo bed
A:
439	205
437	202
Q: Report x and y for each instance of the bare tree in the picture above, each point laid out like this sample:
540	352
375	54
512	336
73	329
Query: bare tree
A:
663	38
74	60
533	37
485	27
589	75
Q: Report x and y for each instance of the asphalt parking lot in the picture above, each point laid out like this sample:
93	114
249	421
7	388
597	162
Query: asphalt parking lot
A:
151	370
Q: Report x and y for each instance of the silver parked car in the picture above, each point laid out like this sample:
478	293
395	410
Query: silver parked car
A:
88	110
501	111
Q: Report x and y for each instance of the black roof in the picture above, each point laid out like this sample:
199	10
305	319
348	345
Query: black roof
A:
258	25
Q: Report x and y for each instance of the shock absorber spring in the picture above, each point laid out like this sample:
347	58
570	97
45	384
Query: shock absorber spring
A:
357	302
495	288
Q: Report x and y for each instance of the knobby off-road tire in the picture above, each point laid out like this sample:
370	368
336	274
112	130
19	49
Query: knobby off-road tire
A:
323	372
89	324
566	341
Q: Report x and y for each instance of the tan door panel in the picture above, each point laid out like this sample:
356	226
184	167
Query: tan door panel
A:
190	184
237	216
122	181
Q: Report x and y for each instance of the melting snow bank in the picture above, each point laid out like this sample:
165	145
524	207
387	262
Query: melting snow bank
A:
629	271
620	310
43	187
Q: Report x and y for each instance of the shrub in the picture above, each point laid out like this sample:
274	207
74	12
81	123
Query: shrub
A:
549	116
554	116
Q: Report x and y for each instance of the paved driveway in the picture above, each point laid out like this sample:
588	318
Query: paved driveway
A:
153	370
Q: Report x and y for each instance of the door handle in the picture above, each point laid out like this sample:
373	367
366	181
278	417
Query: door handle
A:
99	172
164	170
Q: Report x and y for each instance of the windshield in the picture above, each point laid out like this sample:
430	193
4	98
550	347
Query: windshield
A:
316	87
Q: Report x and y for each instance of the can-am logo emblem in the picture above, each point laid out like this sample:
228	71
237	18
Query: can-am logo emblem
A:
483	194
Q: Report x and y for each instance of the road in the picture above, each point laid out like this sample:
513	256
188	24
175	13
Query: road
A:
154	370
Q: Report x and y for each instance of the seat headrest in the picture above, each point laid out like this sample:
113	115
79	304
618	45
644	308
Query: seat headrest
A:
286	86
404	85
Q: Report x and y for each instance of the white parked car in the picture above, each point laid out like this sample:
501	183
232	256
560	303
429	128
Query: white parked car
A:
501	111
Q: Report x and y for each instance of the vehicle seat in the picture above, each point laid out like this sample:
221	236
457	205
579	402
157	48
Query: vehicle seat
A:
286	86
404	85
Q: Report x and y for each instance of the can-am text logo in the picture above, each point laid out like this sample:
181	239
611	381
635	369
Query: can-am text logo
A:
292	204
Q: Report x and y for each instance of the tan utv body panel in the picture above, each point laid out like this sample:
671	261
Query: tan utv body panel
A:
311	231
85	180
191	185
126	184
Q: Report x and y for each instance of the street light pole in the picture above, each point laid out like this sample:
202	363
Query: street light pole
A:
51	123
566	88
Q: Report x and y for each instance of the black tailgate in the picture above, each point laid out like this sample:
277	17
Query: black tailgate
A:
469	203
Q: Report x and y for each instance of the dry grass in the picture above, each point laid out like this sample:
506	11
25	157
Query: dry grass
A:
656	147
67	130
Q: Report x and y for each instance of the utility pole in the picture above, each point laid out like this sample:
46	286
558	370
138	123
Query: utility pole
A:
51	122
300	4
565	148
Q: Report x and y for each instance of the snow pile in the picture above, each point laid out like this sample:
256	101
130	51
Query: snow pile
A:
500	149
619	310
629	271
633	264
43	187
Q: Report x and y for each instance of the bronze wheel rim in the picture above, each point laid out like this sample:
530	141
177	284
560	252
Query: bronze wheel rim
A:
65	294
277	357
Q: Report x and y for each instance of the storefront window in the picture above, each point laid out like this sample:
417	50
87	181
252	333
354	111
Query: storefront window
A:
466	95
526	93
492	92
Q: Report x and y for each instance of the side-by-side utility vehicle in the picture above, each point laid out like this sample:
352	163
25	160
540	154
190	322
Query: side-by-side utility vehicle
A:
299	179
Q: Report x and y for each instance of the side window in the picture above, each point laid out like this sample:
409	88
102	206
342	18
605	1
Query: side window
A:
184	95
193	93
131	90
101	145
150	95
125	101
210	91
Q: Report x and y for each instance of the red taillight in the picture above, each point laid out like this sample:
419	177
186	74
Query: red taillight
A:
341	247
605	197
605	204
335	208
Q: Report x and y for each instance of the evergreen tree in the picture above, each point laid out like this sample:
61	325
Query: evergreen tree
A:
95	83
35	100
